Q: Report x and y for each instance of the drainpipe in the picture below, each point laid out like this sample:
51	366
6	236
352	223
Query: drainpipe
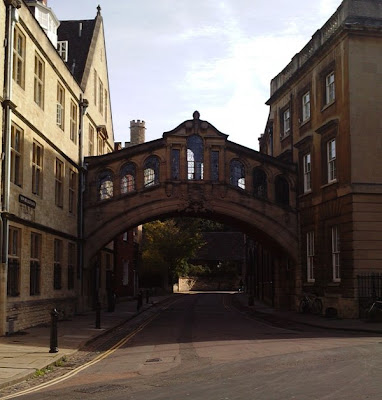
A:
11	18
83	105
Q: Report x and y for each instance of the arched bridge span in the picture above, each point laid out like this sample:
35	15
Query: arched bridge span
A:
193	170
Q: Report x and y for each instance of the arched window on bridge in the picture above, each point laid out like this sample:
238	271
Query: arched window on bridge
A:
151	171
260	183
282	190
195	155
105	185
128	178
237	174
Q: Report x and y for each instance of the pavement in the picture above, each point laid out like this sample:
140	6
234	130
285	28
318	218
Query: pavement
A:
24	353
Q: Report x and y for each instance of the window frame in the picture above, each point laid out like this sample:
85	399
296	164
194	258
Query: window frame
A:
62	49
39	81
35	264
19	53
307	172
305	111
73	122
286	122
331	160
14	262
237	174
105	185
59	176
91	140
335	247
60	113
330	88
57	264
16	154
37	168
310	250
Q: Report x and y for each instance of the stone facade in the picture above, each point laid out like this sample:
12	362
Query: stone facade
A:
47	114
325	115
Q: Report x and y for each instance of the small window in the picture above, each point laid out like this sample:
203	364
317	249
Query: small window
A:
100	145
310	256
307	173
151	171
71	264
14	250
128	178
39	81
60	114
214	166
330	89
175	164
62	48
91	140
260	183
72	191
237	174
105	186
286	122
195	156
19	58
35	265
306	106
336	253
59	183
37	165
125	237
73	122
57	273
17	136
331	157
281	190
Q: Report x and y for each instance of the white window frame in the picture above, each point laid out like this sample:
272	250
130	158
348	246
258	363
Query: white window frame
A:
60	115
307	166
330	88
286	122
62	49
336	253
332	157
310	256
306	106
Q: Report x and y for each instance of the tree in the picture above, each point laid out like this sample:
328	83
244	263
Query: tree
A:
167	246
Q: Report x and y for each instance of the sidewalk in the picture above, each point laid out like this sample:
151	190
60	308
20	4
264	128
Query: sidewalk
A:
21	354
310	319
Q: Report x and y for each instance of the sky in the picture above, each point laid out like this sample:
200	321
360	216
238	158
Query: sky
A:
168	58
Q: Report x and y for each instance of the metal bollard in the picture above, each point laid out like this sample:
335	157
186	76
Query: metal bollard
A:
53	331
98	315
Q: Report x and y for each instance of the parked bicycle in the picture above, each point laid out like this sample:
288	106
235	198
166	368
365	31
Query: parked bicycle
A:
309	305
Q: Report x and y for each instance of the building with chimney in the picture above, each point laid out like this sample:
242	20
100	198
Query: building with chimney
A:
56	110
326	116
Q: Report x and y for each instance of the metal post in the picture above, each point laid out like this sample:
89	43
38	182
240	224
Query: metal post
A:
53	331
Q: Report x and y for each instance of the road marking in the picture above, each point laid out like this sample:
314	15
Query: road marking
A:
96	360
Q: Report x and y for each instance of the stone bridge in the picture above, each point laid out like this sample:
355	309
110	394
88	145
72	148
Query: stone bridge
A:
193	170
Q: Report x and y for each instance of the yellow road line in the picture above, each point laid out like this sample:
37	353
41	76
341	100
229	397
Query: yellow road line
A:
89	363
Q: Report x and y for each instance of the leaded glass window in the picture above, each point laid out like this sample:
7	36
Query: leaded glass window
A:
151	171
259	183
282	190
195	155
237	174
128	178
105	185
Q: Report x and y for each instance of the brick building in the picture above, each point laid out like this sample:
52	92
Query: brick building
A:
326	116
56	110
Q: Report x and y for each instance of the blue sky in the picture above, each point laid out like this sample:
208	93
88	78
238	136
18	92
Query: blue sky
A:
168	58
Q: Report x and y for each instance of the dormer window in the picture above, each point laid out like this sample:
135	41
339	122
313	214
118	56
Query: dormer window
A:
62	48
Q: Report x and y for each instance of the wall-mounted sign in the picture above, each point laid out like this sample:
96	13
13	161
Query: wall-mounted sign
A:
27	201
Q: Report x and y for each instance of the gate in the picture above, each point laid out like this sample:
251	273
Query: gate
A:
369	291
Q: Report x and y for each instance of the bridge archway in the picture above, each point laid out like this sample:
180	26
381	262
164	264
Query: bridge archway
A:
193	170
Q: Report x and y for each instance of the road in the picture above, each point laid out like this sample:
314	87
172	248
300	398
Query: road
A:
201	347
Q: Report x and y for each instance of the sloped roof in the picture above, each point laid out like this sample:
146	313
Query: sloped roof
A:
222	246
78	45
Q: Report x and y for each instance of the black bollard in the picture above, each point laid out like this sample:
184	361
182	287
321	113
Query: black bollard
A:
53	331
98	315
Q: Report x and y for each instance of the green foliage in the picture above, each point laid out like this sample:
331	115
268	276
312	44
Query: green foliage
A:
168	245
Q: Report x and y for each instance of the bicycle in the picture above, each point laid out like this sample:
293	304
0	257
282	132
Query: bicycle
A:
307	305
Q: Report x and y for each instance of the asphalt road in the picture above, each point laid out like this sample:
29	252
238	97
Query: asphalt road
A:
201	347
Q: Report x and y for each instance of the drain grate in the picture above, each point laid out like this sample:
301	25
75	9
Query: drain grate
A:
152	360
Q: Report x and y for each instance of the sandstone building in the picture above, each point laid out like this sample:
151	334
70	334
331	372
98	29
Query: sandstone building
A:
56	110
326	116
